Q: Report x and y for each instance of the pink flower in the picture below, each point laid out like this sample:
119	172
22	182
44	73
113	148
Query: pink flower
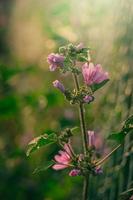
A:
98	170
63	159
131	198
97	141
74	172
91	136
93	74
59	85
55	60
88	99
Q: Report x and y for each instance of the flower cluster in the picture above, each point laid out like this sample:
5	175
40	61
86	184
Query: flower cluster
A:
92	74
77	163
93	78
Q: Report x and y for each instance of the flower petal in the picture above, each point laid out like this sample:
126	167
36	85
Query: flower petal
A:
59	166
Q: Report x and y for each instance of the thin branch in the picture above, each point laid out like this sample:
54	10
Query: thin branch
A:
108	155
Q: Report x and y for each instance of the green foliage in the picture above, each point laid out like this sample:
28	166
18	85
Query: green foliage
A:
128	125
96	87
75	129
41	141
72	54
126	194
118	137
127	128
8	106
44	167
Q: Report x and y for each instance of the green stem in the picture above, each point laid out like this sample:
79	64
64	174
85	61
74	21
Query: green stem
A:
85	188
84	138
82	119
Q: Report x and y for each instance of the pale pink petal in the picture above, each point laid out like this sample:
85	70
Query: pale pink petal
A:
64	154
91	70
93	74
91	136
59	166
67	149
61	159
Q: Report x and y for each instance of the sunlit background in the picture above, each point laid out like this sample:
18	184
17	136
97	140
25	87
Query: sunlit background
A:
30	106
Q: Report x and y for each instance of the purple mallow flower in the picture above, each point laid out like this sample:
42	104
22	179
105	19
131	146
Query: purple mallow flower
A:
91	137
55	60
88	99
93	74
59	85
98	170
74	172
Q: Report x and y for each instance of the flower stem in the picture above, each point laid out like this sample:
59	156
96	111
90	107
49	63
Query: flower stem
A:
84	138
82	119
108	155
85	188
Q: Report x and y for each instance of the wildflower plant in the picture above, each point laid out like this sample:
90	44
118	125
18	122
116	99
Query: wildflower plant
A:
94	77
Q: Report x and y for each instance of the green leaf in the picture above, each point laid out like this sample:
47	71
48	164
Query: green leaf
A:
95	87
75	129
82	58
118	137
128	125
127	128
43	167
41	141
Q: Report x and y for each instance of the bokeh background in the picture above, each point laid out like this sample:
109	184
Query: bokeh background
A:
29	105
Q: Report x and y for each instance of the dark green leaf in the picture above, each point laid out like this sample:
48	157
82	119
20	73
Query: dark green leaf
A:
127	128
82	58
43	167
41	141
95	87
118	137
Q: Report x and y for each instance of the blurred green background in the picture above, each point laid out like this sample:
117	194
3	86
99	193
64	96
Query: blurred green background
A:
29	105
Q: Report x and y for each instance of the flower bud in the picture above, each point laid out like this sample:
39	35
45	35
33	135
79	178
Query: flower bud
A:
88	99
98	170
59	85
55	60
91	138
74	172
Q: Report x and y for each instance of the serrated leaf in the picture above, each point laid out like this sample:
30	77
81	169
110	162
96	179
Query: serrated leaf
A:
118	137
43	167
41	141
95	87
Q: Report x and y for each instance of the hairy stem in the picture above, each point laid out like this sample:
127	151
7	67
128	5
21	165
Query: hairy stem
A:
108	155
82	120
84	138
